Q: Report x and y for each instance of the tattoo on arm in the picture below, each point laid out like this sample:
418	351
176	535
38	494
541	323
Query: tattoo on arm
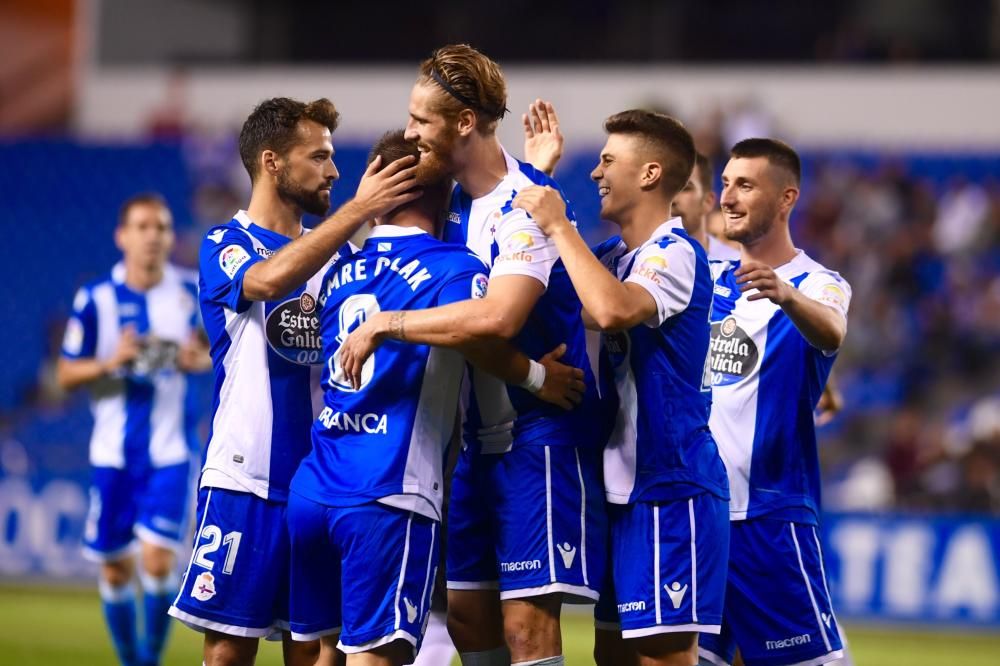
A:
396	325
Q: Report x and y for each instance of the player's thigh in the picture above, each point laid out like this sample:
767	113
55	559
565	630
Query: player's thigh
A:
164	506
669	562
109	528
388	559
315	571
470	560
552	526
475	619
777	601
237	578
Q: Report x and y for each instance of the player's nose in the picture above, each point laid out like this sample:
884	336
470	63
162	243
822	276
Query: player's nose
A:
596	174
331	172
410	133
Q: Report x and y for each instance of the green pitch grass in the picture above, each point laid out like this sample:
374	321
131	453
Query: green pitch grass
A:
44	626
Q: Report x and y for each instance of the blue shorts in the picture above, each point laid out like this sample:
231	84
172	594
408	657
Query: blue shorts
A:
668	564
369	569
529	522
237	580
152	505
777	602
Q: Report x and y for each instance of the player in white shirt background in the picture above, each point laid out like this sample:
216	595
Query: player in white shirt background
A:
694	203
266	359
131	339
778	320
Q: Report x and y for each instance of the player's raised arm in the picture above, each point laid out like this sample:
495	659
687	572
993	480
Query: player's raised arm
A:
543	142
612	305
378	193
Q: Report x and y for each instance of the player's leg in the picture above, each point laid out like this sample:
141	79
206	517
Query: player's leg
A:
237	574
610	649
329	653
669	561
777	603
388	559
108	539
475	620
551	544
314	594
161	524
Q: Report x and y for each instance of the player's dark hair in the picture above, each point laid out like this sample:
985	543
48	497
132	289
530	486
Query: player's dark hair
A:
778	153
392	146
273	125
140	199
668	141
468	80
704	165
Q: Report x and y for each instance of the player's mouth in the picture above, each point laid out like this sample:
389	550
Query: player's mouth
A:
603	190
733	214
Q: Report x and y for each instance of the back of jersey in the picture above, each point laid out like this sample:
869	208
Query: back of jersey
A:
385	441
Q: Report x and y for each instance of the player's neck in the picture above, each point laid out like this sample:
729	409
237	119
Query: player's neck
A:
639	224
698	232
482	168
269	211
409	218
773	249
139	277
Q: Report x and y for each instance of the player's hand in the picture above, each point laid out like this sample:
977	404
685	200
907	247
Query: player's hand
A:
543	142
829	405
381	191
126	352
358	346
193	355
760	276
563	383
545	206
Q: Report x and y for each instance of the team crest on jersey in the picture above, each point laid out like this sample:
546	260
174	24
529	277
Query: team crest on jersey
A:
734	353
292	330
204	586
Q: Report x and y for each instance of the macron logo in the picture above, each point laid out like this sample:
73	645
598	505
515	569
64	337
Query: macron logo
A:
567	552
676	593
216	236
411	611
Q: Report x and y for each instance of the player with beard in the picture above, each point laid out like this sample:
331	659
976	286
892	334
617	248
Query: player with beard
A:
527	524
694	203
778	318
258	285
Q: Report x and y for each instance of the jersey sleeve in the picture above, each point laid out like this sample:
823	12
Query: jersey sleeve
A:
80	338
224	259
469	279
667	272
522	248
828	288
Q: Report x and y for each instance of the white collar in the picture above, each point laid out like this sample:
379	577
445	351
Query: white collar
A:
393	231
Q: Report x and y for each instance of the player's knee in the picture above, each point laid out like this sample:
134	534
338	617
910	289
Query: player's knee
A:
474	619
531	626
611	650
157	562
118	573
224	650
672	649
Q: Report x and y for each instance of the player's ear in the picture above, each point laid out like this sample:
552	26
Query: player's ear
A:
270	163
708	202
118	236
789	196
650	175
466	122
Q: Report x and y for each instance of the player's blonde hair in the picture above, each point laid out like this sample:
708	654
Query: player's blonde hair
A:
468	80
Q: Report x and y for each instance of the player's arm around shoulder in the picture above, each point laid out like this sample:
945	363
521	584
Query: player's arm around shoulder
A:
818	307
611	304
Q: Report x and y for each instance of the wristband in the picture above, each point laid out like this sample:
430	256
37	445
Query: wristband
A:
536	377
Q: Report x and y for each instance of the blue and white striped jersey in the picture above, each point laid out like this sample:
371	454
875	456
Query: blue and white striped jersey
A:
766	381
497	415
143	416
386	441
267	358
661	447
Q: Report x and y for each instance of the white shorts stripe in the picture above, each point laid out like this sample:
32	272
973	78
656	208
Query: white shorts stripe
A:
656	560
197	536
425	596
822	570
402	569
548	513
812	597
583	519
694	565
